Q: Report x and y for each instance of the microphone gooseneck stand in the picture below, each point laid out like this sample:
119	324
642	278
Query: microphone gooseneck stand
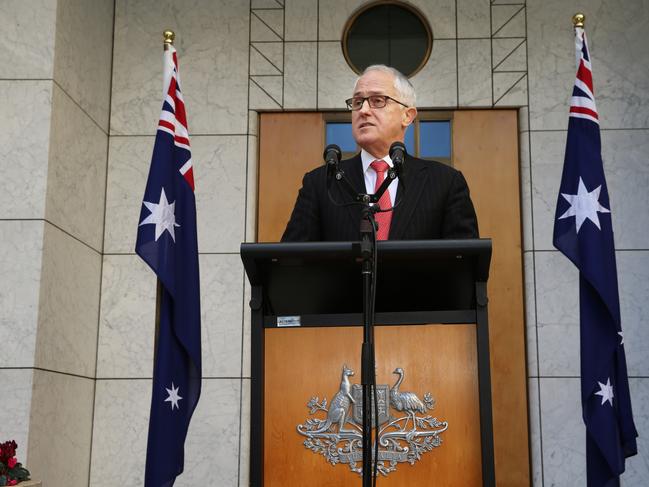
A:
368	229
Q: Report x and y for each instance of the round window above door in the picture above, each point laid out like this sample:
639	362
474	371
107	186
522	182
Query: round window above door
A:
390	33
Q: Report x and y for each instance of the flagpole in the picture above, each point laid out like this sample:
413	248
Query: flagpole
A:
168	40
169	37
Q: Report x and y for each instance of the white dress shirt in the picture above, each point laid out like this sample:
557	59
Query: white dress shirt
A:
370	175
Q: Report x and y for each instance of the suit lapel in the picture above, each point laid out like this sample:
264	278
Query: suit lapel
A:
411	184
354	174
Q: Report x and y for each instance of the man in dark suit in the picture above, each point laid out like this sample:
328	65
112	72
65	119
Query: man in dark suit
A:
433	198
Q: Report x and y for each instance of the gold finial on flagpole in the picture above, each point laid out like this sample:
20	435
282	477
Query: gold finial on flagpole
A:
578	20
169	37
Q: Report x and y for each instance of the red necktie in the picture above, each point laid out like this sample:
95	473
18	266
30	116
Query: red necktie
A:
383	219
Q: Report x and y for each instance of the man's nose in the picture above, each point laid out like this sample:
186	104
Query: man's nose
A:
365	107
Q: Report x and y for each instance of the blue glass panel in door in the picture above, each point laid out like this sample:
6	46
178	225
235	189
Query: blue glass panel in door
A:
340	133
410	139
435	138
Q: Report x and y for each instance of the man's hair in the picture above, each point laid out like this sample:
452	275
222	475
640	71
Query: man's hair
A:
403	86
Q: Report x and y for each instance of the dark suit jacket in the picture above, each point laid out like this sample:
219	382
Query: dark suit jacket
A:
435	203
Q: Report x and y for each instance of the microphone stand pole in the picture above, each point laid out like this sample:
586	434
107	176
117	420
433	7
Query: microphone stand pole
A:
368	243
367	349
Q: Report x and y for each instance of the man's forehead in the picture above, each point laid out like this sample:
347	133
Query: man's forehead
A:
374	83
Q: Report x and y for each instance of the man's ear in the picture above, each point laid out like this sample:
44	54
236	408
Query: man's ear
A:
408	116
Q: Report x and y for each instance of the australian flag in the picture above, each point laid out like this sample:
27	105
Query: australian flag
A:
583	232
167	242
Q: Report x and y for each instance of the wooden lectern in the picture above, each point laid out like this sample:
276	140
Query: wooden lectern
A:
432	346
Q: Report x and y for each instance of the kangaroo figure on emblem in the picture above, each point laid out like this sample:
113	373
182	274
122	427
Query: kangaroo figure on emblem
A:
337	413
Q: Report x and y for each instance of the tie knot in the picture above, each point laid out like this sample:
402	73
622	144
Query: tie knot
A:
379	166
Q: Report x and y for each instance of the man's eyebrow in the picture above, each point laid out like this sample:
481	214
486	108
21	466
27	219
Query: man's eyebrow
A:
369	93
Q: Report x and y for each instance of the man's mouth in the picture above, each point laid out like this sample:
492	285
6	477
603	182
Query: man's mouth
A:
365	124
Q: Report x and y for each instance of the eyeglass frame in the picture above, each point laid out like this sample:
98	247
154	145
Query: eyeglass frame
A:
348	102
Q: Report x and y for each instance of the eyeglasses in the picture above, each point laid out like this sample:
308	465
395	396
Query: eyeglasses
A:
375	101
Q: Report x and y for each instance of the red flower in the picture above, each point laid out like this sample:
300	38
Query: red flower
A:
11	463
12	482
8	449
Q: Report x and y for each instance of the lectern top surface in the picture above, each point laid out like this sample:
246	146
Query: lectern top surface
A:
325	277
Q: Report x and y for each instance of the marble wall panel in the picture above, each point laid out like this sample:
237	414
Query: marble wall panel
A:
333	15
247	331
301	20
473	18
220	176
28	29
128	317
120	429
266	3
557	305
259	97
84	48
526	189
474	72
564	434
253	122
530	315
21	248
523	119
212	446
508	19
121	426
251	190
127	320
547	151
535	432
69	305
625	156
510	89
129	159
61	429
440	14
261	32
76	176
24	138
300	75
212	42
219	173
617	35
16	387
509	54
633	281
244	435
637	469
221	309
335	78
436	83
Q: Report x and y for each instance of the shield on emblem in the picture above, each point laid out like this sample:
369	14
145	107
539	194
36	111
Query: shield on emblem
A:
382	401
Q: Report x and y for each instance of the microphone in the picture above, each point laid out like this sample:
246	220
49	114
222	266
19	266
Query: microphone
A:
398	154
332	155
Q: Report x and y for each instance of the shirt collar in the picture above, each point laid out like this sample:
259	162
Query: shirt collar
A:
367	159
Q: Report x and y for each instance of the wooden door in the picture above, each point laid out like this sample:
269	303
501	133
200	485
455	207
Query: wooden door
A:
485	149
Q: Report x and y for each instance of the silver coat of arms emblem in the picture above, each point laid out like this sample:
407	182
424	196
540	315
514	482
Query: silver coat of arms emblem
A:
334	429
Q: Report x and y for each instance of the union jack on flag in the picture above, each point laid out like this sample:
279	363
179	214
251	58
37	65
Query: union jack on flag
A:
583	232
582	103
167	242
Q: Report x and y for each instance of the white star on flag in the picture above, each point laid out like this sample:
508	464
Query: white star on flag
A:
173	397
606	391
584	205
162	216
621	337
